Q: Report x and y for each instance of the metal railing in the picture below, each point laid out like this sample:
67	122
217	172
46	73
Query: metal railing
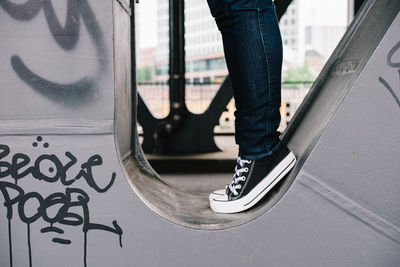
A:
199	95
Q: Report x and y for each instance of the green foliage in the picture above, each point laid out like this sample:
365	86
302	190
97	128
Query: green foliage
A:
298	76
144	74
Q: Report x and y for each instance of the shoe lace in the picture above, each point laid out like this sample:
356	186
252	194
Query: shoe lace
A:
237	176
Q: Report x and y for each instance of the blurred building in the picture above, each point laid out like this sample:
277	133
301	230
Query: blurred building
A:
205	63
315	61
161	56
323	38
205	60
203	44
147	56
292	31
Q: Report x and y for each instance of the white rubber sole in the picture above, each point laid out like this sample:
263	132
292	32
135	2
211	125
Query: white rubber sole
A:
219	192
219	200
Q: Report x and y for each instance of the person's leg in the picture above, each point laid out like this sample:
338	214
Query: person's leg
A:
253	53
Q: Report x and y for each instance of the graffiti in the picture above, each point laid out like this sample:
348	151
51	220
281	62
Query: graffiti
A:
395	65
71	94
59	208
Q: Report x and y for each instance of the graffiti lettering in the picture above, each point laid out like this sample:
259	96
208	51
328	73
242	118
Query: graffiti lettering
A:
68	208
392	64
73	197
53	174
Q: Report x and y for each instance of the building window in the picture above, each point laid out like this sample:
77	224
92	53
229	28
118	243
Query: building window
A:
308	35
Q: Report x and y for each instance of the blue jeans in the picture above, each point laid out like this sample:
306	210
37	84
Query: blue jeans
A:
253	53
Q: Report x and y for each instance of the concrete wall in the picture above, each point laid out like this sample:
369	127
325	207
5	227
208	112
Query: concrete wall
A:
58	156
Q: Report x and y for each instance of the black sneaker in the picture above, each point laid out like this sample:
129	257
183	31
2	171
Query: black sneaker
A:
251	181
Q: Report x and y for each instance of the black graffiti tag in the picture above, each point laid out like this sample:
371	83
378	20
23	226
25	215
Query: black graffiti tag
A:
73	197
53	174
75	93
395	65
58	208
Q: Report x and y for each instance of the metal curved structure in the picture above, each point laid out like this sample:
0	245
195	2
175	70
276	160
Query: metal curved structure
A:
78	192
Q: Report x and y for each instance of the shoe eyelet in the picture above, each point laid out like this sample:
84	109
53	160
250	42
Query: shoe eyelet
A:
246	169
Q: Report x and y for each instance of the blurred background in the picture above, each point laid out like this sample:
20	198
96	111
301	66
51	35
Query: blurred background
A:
310	30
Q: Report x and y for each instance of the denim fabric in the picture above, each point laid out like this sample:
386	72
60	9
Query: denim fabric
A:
253	53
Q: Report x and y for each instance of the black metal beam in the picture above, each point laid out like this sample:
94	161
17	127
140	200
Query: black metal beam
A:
177	54
357	5
281	7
